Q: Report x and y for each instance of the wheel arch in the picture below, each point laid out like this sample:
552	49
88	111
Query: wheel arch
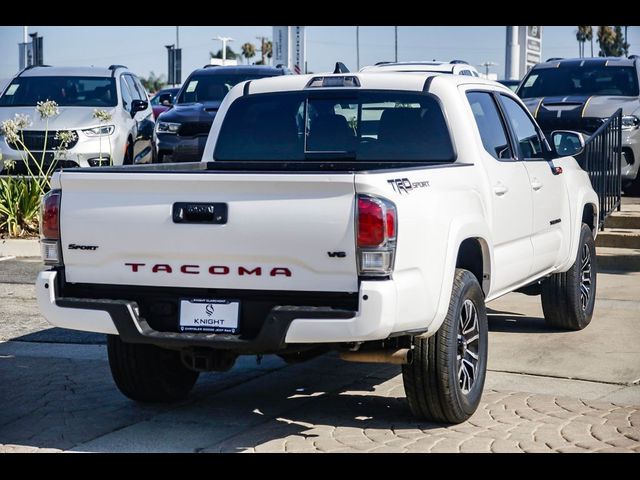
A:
473	230
473	255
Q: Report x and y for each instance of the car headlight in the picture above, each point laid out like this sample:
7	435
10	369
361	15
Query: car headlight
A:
630	122
167	127
98	131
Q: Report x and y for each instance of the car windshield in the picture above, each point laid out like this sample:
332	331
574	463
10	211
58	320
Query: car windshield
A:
210	88
65	91
347	125
587	80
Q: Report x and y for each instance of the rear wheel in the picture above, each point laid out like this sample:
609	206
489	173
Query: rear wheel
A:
568	298
147	373
128	153
444	382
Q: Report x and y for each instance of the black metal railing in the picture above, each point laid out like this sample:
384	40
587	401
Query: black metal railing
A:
602	159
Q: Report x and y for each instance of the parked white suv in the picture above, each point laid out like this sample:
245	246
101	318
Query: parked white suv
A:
123	134
455	67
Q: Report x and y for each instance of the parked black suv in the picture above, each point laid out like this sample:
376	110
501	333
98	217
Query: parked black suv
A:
181	132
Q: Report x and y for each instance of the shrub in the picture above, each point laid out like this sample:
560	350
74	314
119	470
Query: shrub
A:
19	205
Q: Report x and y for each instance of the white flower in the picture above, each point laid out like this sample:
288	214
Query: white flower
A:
9	128
101	115
65	137
22	121
47	109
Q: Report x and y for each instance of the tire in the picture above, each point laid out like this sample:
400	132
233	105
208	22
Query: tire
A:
128	153
568	298
146	373
632	188
436	386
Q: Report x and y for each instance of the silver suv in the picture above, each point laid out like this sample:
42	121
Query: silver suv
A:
107	109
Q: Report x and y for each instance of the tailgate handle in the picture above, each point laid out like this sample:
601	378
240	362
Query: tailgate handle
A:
215	213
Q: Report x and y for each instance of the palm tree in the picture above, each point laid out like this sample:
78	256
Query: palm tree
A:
248	50
581	36
268	49
607	40
589	36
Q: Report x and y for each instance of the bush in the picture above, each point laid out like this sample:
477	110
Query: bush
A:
19	206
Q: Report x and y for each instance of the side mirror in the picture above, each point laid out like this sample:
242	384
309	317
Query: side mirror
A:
165	99
567	143
138	106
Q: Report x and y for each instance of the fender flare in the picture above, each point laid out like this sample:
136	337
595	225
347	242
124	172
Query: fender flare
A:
584	196
461	229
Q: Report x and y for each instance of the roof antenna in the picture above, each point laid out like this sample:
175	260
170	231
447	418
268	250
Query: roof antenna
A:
340	68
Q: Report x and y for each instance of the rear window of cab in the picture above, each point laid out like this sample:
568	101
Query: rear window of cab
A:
355	125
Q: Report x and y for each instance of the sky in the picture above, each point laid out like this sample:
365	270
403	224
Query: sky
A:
142	48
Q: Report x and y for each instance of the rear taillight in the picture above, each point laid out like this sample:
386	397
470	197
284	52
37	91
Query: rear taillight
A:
50	228
376	235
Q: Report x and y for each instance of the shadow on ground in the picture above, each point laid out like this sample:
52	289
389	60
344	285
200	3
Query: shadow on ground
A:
62	335
60	403
510	322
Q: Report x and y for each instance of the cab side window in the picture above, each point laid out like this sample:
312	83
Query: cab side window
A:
529	141
126	94
492	130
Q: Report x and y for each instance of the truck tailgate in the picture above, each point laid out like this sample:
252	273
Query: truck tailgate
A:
282	231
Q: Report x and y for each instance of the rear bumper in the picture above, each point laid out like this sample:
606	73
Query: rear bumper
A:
282	327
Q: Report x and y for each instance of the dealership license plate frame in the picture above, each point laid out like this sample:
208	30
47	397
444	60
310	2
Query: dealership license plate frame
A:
195	313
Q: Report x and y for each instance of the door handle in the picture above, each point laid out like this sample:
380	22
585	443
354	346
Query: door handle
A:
536	184
500	189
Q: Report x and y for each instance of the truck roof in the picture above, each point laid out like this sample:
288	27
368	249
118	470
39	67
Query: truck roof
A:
411	81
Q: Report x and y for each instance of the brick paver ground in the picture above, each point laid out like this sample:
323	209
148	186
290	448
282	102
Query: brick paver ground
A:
57	404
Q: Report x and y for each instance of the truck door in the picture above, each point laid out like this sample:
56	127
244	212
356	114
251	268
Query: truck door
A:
549	195
509	192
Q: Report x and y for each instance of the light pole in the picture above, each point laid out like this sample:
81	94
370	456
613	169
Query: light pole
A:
358	47
396	35
224	41
512	60
486	65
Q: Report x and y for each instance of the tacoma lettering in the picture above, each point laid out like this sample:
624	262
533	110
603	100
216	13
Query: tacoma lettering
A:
213	270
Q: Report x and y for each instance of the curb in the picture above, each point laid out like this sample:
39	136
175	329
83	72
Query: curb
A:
19	248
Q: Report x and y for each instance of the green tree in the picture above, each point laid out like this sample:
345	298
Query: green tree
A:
153	83
612	42
248	51
621	40
231	55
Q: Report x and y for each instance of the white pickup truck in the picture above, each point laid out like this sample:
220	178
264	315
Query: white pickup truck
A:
374	214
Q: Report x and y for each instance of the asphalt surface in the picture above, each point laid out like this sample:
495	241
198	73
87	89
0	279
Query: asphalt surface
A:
546	390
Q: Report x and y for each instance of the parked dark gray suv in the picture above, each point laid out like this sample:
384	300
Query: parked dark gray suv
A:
181	132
